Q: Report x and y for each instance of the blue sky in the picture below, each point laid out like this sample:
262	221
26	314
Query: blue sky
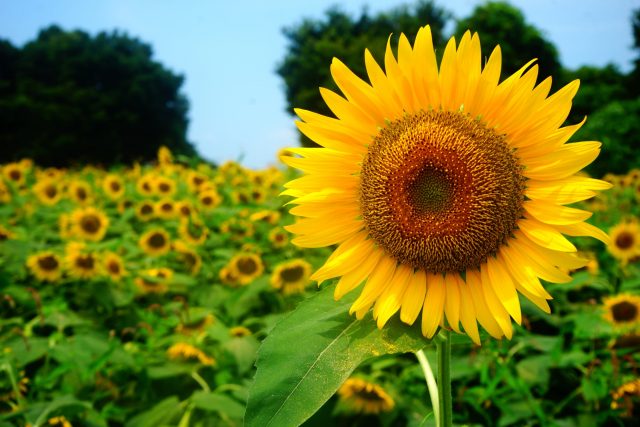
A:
228	51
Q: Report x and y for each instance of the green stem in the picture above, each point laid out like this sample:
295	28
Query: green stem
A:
431	384
443	351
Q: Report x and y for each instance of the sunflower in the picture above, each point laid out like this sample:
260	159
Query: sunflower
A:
626	397
268	216
15	173
124	204
195	180
113	186
363	397
209	199
193	231
227	276
89	223
79	191
246	267
45	266
239	332
291	277
625	241
48	191
184	209
114	266
145	184
154	280
145	210
82	265
60	421
164	186
155	242
444	189
190	258
278	237
622	311
6	234
164	156
238	228
165	208
195	326
186	351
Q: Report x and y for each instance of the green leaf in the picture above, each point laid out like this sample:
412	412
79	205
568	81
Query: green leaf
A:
224	405
159	415
311	352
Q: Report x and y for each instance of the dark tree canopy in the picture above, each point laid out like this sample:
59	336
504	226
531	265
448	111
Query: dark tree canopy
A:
70	98
314	43
501	24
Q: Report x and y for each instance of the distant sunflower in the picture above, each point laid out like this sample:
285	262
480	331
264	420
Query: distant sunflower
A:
165	208
48	191
114	266
363	397
164	186
209	199
155	242
190	258
145	210
124	205
625	241
291	277
89	223
194	326
79	191
113	186
186	351
82	265
145	185
14	173
239	332
227	276
627	397
238	228
622	311
184	209
164	156
193	231
278	237
444	188
154	280
195	180
246	267
268	216
46	266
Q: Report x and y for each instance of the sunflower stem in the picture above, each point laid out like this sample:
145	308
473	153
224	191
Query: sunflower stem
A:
431	384
443	351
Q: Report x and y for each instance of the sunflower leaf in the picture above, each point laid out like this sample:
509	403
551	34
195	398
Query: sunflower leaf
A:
311	352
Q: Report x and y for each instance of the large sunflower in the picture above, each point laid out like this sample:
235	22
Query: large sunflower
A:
444	189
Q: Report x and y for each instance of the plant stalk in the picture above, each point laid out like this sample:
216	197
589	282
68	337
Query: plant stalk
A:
443	352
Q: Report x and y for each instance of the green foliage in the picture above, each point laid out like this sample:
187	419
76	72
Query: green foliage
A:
500	23
314	43
617	125
311	352
71	98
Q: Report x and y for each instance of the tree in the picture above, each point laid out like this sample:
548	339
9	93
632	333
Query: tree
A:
501	24
314	43
69	98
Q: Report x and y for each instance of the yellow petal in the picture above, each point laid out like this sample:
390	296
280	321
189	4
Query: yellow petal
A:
351	280
377	282
545	236
389	302
468	313
452	300
348	256
550	213
433	309
413	297
503	287
485	317
493	303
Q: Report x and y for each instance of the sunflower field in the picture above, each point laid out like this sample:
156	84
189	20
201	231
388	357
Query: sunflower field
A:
139	297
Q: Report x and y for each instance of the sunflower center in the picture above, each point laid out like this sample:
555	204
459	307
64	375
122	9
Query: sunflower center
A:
86	262
114	267
292	274
90	224
164	187
624	240
81	193
51	191
247	266
115	186
624	311
157	240
15	175
48	263
440	191
146	209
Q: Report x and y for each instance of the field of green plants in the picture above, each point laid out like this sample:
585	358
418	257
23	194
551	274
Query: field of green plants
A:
139	297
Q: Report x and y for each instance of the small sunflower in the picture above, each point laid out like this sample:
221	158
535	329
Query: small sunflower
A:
186	351
626	397
79	191
209	199
443	187
193	231
155	242
82	265
238	228
195	180
113	186
184	209
48	191
164	186
154	280
190	258
227	276
145	210
239	332
14	173
268	216
278	237
363	397
165	208
622	311
89	223
246	267
114	266
124	205
195	326
46	266
164	156
291	277
145	185
625	241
